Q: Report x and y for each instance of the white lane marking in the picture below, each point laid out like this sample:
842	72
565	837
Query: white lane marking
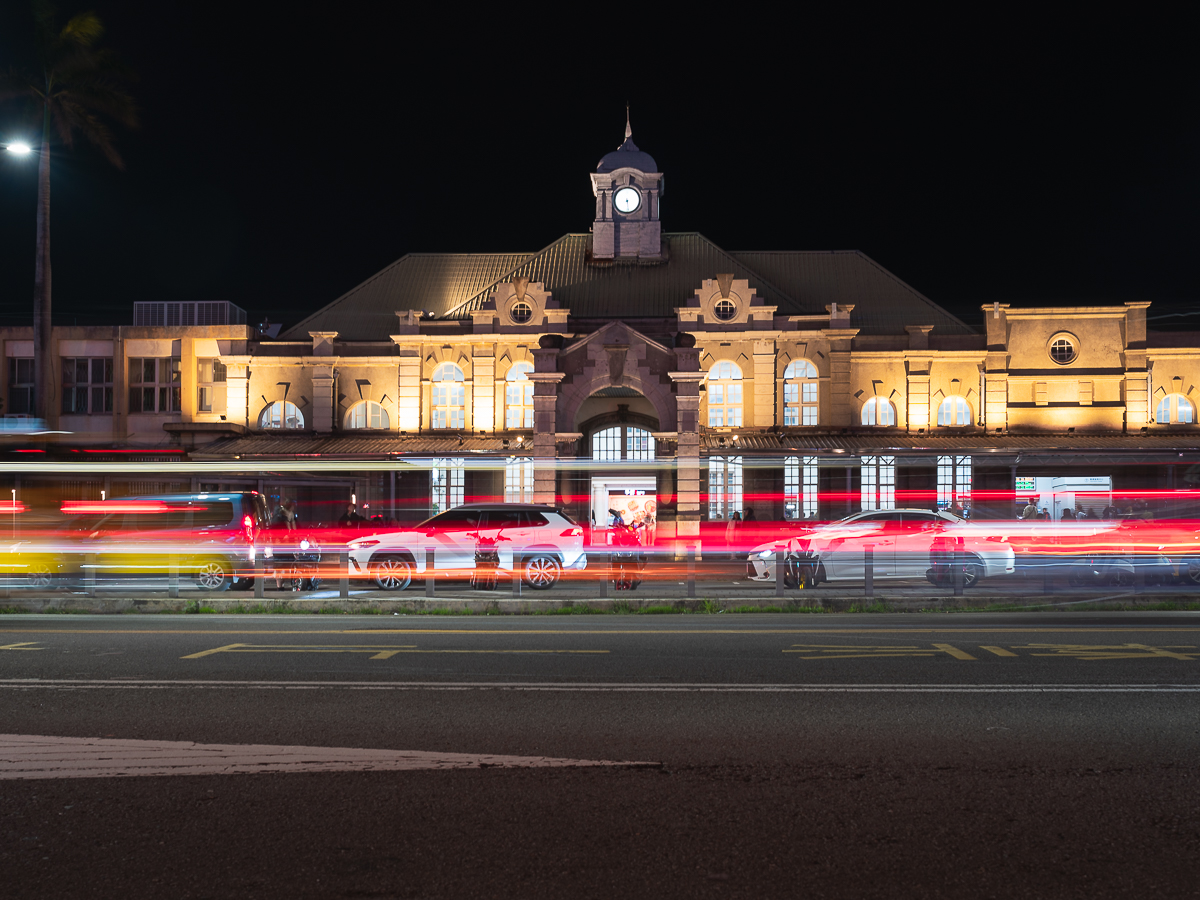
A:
598	687
25	756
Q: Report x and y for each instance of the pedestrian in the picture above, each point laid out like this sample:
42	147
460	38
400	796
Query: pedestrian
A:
1030	511
731	533
1068	515
350	518
285	516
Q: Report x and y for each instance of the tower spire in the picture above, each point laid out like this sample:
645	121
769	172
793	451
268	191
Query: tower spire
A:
628	129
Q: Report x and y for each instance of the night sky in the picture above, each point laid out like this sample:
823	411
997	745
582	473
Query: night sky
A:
282	159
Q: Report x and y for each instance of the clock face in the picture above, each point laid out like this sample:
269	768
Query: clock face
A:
627	199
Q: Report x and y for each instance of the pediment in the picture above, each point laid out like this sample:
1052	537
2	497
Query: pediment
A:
616	333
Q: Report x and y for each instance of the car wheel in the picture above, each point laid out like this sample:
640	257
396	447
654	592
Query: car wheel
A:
1192	573
392	574
39	580
542	571
1120	578
972	574
213	575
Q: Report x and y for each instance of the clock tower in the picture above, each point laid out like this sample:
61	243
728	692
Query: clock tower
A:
627	185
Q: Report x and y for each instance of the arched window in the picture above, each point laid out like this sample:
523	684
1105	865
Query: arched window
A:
954	411
801	393
725	395
878	411
623	442
449	397
518	397
367	414
1175	409
281	414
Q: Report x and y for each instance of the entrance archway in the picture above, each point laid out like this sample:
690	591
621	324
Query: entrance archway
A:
618	436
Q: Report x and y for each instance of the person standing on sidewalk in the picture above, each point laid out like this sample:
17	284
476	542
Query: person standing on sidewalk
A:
732	531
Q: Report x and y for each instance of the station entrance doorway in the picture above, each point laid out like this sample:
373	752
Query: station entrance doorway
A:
633	496
1091	494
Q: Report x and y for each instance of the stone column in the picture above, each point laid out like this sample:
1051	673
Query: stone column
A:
408	391
687	378
1137	374
237	384
840	334
483	397
120	418
996	388
545	378
323	400
764	384
918	394
1137	390
187	380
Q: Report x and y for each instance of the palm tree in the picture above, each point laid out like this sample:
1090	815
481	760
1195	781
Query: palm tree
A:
78	86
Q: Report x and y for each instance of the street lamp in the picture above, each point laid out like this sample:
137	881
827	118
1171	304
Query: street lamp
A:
19	148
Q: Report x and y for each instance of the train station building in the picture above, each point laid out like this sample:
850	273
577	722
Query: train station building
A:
625	364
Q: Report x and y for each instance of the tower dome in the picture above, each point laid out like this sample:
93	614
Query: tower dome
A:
627	156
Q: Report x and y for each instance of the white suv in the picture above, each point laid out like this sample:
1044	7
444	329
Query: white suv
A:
543	540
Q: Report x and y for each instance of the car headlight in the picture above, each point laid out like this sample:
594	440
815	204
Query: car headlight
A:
268	553
362	545
767	554
304	545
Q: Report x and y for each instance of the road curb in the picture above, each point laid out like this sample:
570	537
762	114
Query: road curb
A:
807	602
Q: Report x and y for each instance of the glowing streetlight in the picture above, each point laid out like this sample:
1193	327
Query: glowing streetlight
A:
20	148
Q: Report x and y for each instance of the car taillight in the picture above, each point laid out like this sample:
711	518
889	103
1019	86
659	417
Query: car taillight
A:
573	532
248	526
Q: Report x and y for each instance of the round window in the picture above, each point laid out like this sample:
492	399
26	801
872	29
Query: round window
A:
1064	348
521	312
725	310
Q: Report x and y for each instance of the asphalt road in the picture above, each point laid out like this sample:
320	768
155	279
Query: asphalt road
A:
838	756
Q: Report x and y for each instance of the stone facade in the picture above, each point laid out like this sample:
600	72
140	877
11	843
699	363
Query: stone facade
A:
726	373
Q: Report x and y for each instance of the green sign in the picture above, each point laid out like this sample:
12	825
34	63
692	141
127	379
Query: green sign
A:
1026	484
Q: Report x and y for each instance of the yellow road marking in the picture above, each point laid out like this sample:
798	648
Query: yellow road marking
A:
954	651
685	631
851	651
21	646
226	649
999	651
378	652
1117	651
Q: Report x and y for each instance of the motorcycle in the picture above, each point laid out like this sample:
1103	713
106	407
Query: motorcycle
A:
800	569
295	565
487	561
627	561
945	556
